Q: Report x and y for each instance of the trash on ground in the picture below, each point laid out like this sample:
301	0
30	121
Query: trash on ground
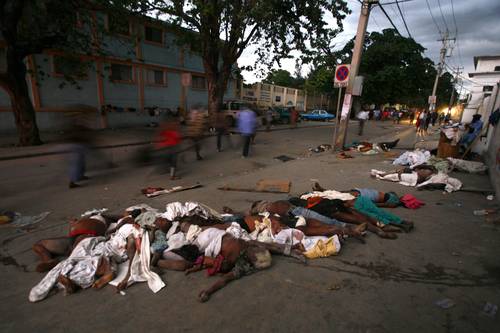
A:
344	156
94	211
7	217
263	185
19	221
321	148
490	197
151	192
481	212
445	303
490	309
284	158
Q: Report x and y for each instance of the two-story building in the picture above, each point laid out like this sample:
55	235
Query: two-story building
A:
143	67
266	95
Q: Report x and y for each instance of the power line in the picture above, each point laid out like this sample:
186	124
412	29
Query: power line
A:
456	33
389	18
433	19
404	21
392	3
442	16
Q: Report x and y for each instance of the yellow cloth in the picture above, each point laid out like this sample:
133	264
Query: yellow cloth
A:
4	219
322	249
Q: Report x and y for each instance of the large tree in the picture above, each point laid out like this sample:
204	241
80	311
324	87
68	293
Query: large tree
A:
395	70
29	27
223	29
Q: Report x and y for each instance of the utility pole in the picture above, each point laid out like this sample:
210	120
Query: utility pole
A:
356	59
444	48
457	71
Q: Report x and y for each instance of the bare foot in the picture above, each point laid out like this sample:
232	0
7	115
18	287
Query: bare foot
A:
227	210
391	228
317	187
203	296
387	235
69	286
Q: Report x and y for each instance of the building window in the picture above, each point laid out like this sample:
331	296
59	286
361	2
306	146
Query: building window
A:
156	77
121	73
497	69
278	99
487	88
153	35
69	67
198	82
118	24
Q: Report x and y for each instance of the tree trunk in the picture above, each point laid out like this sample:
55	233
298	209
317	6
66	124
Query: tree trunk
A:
21	103
216	86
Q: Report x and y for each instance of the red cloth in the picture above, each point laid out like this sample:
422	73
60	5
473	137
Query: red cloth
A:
79	232
409	201
313	201
216	266
168	138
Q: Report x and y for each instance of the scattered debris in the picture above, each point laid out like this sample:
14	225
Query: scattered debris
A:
151	192
490	197
7	217
344	155
265	186
321	148
445	303
17	220
490	309
284	158
94	211
481	212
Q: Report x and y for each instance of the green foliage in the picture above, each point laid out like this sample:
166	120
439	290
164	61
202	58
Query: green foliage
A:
220	30
394	67
281	77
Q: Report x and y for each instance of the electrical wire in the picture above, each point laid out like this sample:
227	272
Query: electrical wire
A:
404	21
456	34
389	18
442	16
433	18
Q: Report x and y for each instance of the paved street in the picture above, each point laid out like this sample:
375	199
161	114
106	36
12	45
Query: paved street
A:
380	286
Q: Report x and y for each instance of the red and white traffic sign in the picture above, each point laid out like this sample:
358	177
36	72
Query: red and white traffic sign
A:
342	75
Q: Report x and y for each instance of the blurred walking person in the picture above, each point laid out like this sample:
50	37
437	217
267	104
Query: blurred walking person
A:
294	116
168	143
247	123
221	128
362	118
78	147
269	118
196	128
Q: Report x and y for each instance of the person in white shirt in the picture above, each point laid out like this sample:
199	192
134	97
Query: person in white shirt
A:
362	117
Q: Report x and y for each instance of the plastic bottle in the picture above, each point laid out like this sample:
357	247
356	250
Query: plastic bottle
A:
481	212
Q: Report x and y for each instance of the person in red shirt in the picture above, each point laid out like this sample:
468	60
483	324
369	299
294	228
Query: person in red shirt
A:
169	139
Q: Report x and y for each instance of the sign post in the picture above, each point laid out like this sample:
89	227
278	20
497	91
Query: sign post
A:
342	76
341	80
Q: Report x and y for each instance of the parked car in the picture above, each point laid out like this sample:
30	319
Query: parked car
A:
321	115
232	108
284	114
